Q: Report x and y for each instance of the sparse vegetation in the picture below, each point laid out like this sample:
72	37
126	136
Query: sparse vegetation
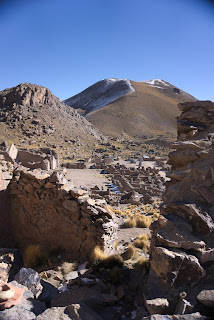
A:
143	262
34	256
130	223
101	259
143	221
130	252
142	242
68	267
139	221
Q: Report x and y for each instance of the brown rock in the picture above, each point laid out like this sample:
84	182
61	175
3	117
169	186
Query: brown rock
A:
158	305
206	297
172	266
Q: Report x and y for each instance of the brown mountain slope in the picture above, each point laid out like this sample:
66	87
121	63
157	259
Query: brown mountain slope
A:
32	117
149	111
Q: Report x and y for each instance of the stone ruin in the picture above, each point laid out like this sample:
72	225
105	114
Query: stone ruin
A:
6	173
45	210
181	278
135	185
43	158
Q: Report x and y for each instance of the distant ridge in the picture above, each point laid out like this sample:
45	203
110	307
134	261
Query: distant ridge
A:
141	108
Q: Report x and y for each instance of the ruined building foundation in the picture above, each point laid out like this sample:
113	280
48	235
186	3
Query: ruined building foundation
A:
45	211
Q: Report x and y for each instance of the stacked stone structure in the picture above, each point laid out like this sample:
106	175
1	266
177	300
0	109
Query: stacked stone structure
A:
181	278
6	173
45	210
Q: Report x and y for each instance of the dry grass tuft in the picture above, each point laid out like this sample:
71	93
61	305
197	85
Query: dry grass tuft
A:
129	253
68	267
101	259
143	263
143	221
142	242
139	221
130	223
98	255
120	212
34	256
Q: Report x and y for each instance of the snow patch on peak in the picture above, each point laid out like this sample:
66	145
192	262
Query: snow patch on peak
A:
157	83
100	94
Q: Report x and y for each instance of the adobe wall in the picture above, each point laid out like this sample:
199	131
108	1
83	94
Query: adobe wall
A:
182	249
45	211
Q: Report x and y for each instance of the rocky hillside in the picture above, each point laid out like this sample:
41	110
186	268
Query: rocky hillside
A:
146	108
32	117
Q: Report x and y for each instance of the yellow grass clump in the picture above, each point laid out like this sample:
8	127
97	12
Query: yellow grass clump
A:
34	256
143	221
139	221
142	242
120	212
129	253
101	259
143	262
130	223
68	267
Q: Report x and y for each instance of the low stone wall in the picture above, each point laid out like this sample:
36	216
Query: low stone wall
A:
182	250
45	211
6	172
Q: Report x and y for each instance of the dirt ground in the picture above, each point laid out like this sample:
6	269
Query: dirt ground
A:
87	178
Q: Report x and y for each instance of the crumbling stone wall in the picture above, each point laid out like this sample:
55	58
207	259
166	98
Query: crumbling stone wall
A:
182	250
6	172
45	211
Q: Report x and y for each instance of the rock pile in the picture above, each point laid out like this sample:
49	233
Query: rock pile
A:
181	276
46	211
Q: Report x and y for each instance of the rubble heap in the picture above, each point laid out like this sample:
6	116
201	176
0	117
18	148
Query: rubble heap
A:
181	278
46	211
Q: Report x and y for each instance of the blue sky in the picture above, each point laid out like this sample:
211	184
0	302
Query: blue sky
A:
67	45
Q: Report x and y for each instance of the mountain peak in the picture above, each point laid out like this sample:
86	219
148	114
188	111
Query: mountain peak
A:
100	94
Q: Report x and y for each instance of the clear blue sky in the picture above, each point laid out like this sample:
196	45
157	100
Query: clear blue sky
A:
67	45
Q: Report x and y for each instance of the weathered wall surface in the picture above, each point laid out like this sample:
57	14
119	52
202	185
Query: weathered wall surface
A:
45	211
6	170
182	251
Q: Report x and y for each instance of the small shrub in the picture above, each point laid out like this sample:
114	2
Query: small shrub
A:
130	223
100	259
142	244
143	221
120	212
98	255
68	267
143	263
129	253
34	256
